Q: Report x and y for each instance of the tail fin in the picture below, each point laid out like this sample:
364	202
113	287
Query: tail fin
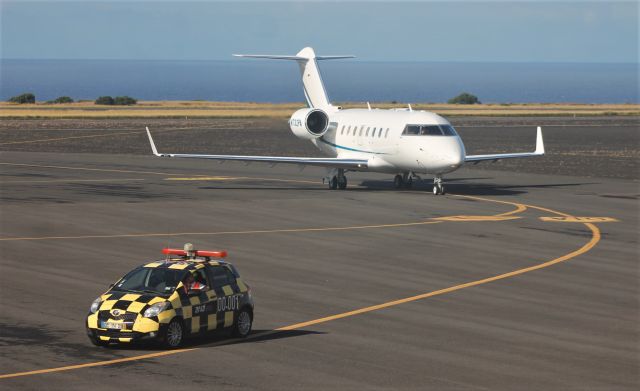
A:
314	89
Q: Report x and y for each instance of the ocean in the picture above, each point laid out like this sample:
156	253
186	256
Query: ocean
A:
247	80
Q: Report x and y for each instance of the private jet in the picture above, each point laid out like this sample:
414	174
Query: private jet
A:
404	142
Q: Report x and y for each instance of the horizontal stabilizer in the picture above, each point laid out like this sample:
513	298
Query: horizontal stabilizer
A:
296	58
272	57
314	90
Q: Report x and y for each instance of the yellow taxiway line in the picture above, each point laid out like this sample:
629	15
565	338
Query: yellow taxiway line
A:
595	238
46	140
141	132
70	180
251	232
499	217
89	169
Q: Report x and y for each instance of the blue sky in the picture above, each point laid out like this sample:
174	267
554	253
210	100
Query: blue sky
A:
519	31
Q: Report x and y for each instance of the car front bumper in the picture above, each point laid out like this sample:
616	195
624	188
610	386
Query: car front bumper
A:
134	328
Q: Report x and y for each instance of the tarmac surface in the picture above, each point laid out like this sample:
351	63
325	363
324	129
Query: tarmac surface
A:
500	284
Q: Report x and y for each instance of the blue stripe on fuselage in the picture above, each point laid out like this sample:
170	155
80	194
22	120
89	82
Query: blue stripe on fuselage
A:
349	149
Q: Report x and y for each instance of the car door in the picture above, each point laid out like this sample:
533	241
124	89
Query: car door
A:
203	303
226	299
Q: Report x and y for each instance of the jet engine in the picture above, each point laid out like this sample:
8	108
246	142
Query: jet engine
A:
308	124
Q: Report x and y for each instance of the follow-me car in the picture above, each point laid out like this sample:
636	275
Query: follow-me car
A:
169	299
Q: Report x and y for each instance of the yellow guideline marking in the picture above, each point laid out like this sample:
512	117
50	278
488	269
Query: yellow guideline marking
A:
221	178
580	219
595	238
74	180
204	178
97	363
476	218
69	138
152	172
88	136
266	231
520	208
88	169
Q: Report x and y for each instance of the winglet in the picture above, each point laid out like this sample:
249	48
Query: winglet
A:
539	142
153	145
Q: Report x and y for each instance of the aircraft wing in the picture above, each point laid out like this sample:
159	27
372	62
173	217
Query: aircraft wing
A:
538	152
310	161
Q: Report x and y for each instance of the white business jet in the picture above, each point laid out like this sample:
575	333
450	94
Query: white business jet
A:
404	142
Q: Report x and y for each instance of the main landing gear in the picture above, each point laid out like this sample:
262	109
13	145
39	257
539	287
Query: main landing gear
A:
338	181
403	181
438	187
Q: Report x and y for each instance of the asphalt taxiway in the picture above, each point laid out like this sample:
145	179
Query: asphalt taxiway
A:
501	284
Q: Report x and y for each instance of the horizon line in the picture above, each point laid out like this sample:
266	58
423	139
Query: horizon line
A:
231	59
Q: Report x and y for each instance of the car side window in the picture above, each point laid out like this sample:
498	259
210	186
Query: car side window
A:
230	277
220	276
201	277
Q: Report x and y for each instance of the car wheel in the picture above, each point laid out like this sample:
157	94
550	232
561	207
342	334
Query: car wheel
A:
242	327
174	334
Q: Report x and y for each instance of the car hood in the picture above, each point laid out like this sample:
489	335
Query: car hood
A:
116	301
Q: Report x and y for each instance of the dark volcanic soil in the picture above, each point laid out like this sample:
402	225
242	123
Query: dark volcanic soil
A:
597	147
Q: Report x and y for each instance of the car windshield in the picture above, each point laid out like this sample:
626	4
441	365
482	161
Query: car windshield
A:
150	280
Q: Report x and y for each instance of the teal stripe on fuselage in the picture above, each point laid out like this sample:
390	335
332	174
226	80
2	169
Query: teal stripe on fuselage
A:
350	149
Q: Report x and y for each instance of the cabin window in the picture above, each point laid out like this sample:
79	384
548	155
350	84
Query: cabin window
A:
342	130
386	133
367	132
380	133
361	129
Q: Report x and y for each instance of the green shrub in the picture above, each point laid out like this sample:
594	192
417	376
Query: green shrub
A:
24	98
105	100
124	101
464	99
63	99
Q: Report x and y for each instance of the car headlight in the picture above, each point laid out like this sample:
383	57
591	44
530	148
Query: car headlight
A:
155	309
95	305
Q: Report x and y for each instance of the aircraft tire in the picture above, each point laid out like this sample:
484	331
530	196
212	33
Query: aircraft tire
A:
397	181
333	183
408	183
343	183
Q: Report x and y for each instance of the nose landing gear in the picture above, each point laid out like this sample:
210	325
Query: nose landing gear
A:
438	187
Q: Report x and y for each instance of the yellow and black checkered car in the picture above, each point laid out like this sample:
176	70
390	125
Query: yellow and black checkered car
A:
170	299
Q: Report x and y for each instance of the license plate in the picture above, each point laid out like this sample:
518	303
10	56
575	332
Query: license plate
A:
114	326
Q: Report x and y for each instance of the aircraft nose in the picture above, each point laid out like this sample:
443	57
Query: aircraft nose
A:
455	158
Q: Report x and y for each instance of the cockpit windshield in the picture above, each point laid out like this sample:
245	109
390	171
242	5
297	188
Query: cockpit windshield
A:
429	130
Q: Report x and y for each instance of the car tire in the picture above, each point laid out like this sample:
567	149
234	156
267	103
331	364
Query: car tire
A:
244	321
174	334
